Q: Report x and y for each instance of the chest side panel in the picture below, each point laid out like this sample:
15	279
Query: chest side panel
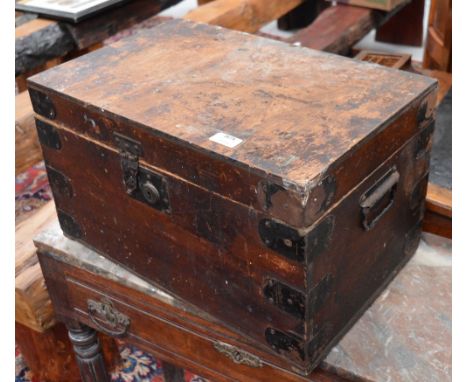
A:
377	229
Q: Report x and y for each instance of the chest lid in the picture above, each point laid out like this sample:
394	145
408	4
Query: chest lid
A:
269	125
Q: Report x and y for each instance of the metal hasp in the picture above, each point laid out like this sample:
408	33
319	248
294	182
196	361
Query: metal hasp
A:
141	183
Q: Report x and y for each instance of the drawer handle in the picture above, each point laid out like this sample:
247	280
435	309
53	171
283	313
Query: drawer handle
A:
108	319
237	355
377	200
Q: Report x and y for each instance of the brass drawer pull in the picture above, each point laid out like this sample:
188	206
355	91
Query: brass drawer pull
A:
237	355
107	319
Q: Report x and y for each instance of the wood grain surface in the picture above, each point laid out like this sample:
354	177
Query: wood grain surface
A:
27	148
242	15
242	74
32	304
174	331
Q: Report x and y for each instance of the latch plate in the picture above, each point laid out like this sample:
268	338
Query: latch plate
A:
152	190
141	183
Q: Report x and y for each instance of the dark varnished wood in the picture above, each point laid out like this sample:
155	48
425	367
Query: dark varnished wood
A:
438	50
322	146
169	328
406	27
338	28
173	373
296	163
176	332
49	354
235	273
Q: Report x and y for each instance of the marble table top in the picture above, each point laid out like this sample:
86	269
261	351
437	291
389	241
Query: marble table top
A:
404	336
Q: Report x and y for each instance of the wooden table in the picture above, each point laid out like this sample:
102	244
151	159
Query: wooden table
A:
41	42
404	336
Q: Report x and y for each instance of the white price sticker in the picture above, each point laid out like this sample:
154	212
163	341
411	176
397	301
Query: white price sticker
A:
225	140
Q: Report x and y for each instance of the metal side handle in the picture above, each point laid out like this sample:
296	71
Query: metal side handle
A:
378	199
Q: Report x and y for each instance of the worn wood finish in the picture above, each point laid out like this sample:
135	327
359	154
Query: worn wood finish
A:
174	331
242	15
216	246
27	147
32	304
385	5
301	163
42	340
39	40
438	51
406	27
49	354
165	326
339	27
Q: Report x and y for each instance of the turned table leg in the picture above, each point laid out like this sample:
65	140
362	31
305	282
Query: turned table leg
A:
88	353
172	373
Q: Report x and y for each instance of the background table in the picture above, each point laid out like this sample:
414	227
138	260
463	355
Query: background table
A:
404	336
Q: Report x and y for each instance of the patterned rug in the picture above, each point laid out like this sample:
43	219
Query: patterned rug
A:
32	192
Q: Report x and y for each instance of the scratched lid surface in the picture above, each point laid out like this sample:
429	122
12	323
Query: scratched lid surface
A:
274	109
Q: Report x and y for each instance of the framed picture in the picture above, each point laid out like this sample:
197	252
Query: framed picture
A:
69	10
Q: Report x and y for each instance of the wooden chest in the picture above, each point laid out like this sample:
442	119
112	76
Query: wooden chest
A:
276	187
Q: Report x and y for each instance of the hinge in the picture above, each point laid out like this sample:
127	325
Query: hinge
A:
141	183
290	243
286	344
286	298
283	239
